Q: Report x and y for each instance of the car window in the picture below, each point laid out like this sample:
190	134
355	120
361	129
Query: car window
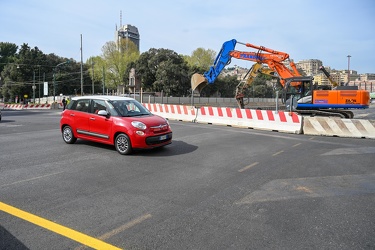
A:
82	105
129	108
98	105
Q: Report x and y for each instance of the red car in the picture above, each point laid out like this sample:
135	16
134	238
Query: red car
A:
119	121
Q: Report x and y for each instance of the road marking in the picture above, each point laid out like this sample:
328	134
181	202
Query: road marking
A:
120	229
351	151
295	145
59	229
247	167
31	179
125	226
277	153
312	187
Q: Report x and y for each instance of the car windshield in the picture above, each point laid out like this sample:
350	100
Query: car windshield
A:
129	108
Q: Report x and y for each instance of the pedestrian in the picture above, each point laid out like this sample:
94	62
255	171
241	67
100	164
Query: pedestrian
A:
63	103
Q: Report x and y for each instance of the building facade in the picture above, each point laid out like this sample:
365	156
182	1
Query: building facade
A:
310	66
129	32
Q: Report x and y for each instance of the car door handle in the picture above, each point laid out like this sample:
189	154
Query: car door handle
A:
92	118
72	115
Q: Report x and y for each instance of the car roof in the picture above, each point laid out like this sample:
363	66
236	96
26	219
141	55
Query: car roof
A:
103	97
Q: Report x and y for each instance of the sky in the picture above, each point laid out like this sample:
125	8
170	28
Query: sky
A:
327	30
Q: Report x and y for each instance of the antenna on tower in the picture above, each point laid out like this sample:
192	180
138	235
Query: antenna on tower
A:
120	18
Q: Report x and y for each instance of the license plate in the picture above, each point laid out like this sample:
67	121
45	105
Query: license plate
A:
163	137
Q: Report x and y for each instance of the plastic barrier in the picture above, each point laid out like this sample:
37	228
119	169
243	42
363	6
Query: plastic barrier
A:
247	118
27	106
13	106
328	126
37	106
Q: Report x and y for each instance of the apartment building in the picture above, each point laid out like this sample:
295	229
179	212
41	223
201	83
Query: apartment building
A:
310	66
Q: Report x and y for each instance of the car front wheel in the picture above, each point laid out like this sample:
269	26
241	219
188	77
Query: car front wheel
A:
122	144
68	136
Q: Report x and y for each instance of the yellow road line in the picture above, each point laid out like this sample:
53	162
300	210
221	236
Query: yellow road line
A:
54	227
247	167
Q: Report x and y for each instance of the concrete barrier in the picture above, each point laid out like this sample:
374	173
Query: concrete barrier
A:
173	112
328	126
246	118
251	118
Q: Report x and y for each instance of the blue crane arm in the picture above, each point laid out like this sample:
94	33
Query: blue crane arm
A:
222	59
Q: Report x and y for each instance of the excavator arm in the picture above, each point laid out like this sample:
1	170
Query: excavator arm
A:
334	84
273	58
251	75
199	81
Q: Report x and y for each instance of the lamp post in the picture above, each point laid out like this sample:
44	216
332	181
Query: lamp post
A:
349	68
34	87
92	80
54	77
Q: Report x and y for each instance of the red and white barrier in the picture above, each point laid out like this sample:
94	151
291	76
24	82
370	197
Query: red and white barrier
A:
173	112
37	106
13	106
251	118
247	118
27	106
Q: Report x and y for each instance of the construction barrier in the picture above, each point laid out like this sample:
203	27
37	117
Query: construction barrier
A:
28	106
13	106
247	118
328	126
173	112
37	106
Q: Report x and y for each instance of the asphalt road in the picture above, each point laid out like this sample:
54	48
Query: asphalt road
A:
214	187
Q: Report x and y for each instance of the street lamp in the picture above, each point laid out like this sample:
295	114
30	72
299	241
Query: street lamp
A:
349	68
34	87
54	77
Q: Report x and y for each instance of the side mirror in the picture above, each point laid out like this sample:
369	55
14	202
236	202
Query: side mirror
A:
104	113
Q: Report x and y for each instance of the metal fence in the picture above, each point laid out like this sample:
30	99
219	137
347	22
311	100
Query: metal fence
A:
206	101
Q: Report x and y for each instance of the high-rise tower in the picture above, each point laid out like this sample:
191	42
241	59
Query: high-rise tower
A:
128	32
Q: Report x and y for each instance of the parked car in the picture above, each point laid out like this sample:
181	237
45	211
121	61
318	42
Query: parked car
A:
119	121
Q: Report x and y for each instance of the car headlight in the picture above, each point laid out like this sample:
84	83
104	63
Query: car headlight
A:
139	125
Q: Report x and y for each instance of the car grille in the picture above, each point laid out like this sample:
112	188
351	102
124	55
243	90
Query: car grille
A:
152	140
159	129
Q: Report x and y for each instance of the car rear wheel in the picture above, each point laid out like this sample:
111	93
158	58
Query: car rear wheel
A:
122	144
68	136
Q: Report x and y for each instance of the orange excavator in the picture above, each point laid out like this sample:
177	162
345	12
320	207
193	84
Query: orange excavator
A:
299	92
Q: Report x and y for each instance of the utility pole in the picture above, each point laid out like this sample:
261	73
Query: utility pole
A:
34	86
81	69
92	80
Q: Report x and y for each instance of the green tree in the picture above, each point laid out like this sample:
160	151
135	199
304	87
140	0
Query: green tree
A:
201	58
8	52
163	70
117	60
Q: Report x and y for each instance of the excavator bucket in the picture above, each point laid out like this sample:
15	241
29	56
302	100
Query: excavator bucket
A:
198	82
